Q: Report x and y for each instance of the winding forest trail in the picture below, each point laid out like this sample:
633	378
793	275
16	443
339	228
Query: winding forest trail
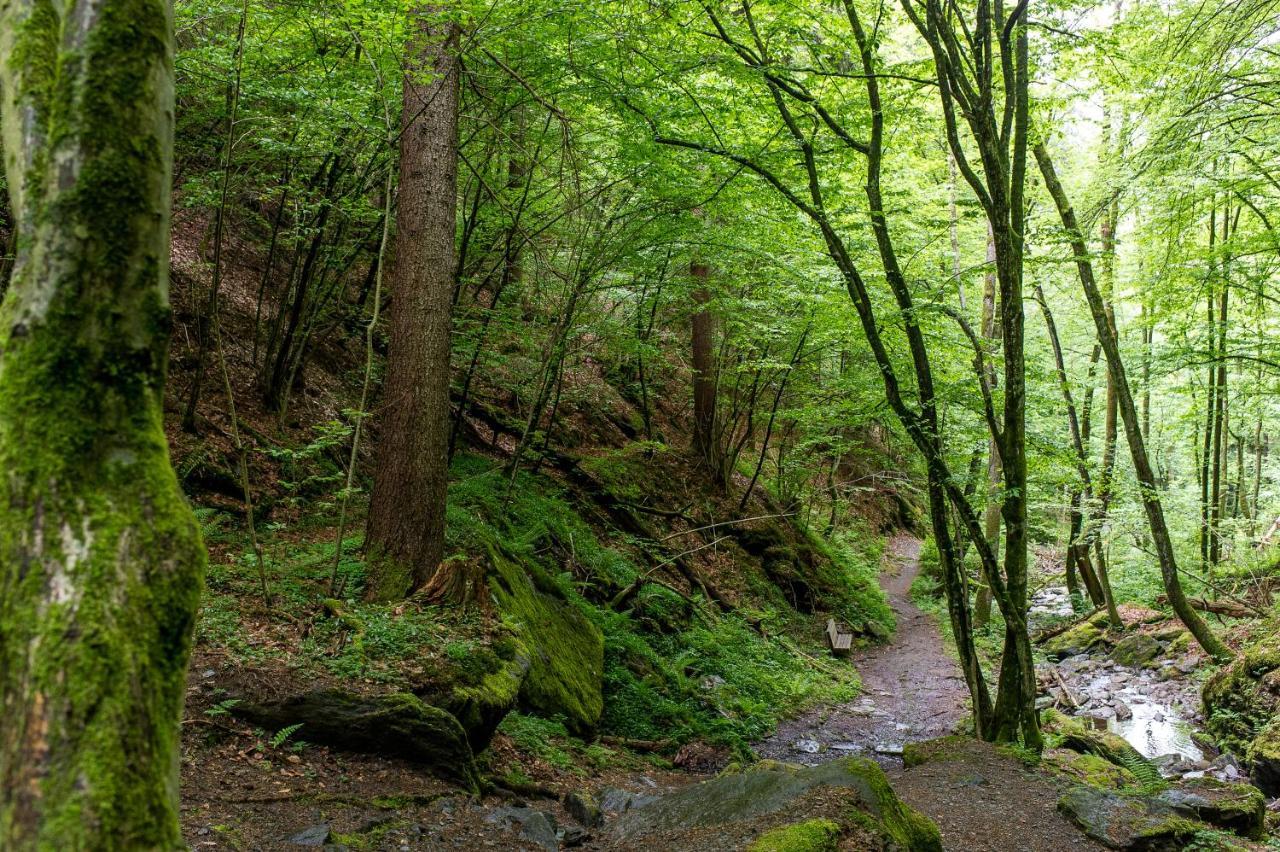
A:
982	800
911	689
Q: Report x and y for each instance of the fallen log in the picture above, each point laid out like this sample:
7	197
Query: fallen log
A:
1231	609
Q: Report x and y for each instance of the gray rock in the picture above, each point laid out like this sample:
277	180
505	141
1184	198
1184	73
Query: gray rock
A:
1128	822
615	801
741	798
315	835
808	746
583	807
573	836
535	826
889	748
1122	711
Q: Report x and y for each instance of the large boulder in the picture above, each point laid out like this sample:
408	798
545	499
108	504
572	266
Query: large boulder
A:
566	667
395	724
1235	807
1136	650
1077	640
1139	823
731	803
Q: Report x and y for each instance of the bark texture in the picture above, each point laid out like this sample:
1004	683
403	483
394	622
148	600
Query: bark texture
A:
406	511
100	556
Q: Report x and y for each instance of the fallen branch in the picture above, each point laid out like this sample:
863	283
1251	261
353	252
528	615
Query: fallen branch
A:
1066	690
1231	609
648	746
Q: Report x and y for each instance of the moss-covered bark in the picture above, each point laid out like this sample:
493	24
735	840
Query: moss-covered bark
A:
100	557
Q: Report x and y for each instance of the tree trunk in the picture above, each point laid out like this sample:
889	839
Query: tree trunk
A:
704	376
1128	413
100	556
991	514
405	533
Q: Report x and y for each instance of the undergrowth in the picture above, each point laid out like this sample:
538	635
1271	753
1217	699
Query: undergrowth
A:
677	667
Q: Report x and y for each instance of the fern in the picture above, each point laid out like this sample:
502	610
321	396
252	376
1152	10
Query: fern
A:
222	708
1144	770
282	736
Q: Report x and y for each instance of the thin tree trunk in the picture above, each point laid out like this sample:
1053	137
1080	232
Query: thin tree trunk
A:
1128	413
705	445
208	320
100	555
405	528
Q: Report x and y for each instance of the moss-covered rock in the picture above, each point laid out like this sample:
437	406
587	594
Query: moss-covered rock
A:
1235	807
1263	756
814	835
747	795
1079	639
933	751
482	692
396	724
1088	769
1128	822
1136	650
1240	701
566	650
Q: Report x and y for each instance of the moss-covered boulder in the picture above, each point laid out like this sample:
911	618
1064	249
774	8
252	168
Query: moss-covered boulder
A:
1263	757
1241	702
746	797
566	650
481	689
1083	637
813	835
1129	822
396	724
1235	807
1136	650
932	751
1088	769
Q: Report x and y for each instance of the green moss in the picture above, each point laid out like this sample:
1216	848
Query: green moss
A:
100	556
815	835
1089	769
1078	639
1240	698
900	822
934	751
567	665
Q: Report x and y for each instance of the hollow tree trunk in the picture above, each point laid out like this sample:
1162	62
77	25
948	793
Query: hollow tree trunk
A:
405	533
100	556
1128	412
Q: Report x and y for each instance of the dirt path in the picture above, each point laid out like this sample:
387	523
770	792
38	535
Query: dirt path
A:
911	689
982	800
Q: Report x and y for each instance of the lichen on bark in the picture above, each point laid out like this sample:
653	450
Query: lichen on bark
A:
100	556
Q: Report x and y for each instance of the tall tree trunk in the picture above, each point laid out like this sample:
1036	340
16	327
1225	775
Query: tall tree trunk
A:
100	556
1128	413
705	444
990	514
405	531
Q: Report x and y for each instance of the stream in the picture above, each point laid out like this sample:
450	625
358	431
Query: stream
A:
1157	709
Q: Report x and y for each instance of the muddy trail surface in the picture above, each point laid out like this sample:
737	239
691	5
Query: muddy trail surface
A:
982	800
911	689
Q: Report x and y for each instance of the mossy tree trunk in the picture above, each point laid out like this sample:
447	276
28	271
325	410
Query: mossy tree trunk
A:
100	556
406	510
